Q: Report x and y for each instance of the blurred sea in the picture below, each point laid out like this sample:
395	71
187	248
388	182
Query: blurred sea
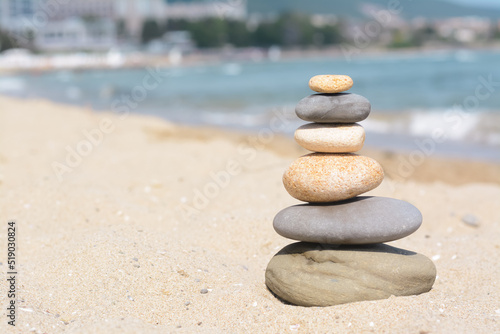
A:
412	95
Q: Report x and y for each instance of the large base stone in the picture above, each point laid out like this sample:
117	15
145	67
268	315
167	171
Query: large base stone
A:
309	274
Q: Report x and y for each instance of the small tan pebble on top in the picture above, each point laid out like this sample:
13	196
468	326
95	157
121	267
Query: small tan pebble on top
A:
330	83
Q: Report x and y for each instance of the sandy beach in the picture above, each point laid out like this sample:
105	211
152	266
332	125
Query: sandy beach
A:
122	221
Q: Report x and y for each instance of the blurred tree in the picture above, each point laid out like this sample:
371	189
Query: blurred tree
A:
6	41
209	33
296	29
288	29
30	40
496	32
267	34
422	35
150	30
400	40
178	24
121	29
90	18
238	34
331	34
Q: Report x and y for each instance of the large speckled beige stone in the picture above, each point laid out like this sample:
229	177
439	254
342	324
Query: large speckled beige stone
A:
309	274
330	83
331	138
329	177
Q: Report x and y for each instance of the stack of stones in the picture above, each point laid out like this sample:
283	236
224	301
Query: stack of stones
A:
341	258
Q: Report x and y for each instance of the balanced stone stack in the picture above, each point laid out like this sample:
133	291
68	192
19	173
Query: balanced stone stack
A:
341	257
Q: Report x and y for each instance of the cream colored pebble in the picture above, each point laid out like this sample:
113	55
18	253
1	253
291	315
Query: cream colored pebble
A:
330	83
331	138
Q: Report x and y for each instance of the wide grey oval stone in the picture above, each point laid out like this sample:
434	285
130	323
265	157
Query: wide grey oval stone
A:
309	274
360	220
333	108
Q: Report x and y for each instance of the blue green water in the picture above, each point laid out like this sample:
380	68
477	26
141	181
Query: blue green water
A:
415	90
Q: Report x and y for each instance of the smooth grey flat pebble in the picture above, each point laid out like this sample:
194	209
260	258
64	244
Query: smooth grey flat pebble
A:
333	108
470	220
203	291
361	220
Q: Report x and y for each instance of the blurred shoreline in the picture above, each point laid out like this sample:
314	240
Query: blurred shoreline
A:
19	61
397	133
399	165
413	94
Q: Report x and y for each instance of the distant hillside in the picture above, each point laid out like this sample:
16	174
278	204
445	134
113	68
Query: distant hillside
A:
352	8
411	9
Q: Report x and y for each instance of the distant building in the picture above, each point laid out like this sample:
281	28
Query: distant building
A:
76	34
16	15
464	29
64	9
134	12
77	24
60	24
11	10
16	8
236	10
179	40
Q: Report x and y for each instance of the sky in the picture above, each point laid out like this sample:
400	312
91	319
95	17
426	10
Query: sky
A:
490	3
